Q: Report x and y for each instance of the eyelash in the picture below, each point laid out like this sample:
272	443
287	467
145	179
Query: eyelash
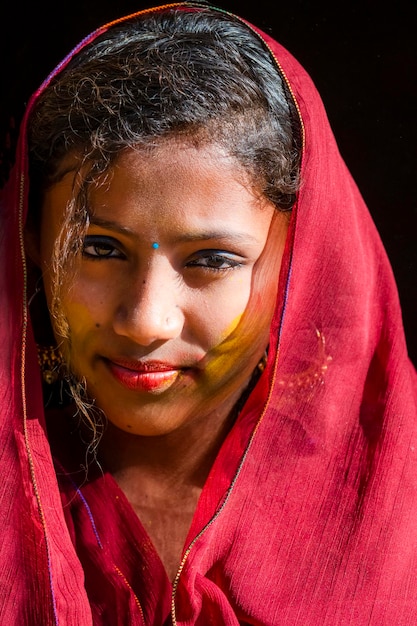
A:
210	255
97	243
112	251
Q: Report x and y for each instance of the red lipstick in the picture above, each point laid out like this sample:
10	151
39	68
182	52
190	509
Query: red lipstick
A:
149	376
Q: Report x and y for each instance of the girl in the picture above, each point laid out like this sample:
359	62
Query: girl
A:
225	433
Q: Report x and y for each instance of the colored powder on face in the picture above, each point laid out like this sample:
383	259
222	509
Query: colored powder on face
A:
224	352
232	326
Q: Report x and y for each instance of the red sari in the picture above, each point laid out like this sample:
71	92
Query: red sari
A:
309	514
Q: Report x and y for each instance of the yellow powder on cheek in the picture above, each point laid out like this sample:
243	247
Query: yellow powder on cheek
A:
78	315
242	342
223	355
231	327
81	326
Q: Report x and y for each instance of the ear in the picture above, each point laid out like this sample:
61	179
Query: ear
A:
32	245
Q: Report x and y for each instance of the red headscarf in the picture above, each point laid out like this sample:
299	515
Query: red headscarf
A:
309	514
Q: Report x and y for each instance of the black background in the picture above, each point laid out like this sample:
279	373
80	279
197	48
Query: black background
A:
362	57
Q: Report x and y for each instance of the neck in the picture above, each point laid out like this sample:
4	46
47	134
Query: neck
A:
184	456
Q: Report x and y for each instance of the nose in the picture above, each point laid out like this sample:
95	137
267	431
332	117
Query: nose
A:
148	310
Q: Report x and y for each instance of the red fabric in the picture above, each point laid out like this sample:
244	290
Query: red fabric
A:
309	515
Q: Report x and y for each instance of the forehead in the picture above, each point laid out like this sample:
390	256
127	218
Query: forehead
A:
171	181
181	186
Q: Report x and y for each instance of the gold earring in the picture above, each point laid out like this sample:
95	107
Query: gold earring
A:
262	363
50	361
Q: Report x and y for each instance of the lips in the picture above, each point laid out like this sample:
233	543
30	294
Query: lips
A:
149	376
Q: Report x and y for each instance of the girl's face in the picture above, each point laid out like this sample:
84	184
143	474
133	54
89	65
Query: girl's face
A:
170	306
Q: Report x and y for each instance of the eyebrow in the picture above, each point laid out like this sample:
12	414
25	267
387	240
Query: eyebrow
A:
103	223
184	237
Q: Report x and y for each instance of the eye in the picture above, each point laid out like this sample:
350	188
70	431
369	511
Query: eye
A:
215	260
96	247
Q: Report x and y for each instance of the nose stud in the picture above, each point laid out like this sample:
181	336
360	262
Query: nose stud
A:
155	245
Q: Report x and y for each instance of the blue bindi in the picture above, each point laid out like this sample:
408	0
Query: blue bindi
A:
155	245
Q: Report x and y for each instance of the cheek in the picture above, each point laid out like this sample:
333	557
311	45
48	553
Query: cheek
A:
88	299
81	330
85	312
244	337
221	312
80	317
